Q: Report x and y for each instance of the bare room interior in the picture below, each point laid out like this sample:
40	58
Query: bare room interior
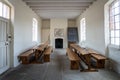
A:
59	39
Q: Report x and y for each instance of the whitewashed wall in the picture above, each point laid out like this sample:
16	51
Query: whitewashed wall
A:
94	16
72	23
96	32
58	23
45	33
22	17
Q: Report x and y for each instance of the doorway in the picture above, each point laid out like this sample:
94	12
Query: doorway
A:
58	43
4	45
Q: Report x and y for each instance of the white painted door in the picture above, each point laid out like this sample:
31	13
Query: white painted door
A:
4	45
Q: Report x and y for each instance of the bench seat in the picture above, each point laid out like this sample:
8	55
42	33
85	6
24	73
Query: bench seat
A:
74	59
26	57
100	60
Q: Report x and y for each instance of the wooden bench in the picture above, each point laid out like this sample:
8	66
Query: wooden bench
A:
26	57
89	57
85	56
99	59
47	53
74	59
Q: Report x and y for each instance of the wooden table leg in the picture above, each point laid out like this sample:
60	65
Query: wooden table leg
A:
88	61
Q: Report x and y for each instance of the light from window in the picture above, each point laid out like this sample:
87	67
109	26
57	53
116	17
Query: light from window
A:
115	23
4	10
34	30
0	9
83	30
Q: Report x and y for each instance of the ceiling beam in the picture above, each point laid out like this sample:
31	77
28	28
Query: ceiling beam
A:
58	0
52	11
59	4
59	8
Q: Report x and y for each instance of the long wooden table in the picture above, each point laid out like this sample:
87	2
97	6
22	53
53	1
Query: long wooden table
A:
39	49
47	53
85	55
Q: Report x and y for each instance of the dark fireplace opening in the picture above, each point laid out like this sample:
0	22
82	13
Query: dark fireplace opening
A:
58	43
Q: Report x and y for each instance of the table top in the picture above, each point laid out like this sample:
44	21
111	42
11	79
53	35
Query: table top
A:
72	56
81	50
40	47
27	53
48	50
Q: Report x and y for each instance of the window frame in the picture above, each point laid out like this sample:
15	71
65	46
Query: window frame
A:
83	30
34	30
112	24
5	10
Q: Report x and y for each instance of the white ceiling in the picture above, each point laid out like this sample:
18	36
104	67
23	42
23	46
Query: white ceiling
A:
58	8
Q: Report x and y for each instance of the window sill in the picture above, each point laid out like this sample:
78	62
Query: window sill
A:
114	47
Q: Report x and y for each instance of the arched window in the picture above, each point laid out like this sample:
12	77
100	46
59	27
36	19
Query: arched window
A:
34	30
114	22
83	30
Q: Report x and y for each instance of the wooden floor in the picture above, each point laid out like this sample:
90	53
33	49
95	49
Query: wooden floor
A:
57	69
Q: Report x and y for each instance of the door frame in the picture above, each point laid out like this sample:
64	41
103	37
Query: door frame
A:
7	44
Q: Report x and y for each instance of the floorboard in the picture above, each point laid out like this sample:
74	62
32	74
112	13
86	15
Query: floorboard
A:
57	69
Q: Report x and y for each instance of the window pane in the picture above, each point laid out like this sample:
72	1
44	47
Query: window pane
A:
116	4
117	33
4	11
112	19
117	41
111	12
112	6
34	34
8	12
117	18
83	29
117	10
1	9
112	33
112	40
111	26
117	25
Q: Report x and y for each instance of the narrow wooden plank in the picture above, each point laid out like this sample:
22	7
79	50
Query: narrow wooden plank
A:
98	56
48	50
27	53
72	56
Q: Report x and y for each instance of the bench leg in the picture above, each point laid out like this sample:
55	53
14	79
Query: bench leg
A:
74	65
24	60
66	54
100	63
46	58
